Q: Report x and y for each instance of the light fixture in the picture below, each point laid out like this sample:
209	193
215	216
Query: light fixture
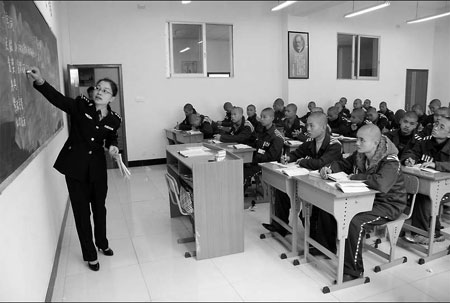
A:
185	49
185	2
366	10
427	18
200	42
283	5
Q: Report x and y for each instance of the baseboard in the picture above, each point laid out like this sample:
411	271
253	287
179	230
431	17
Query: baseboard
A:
147	162
51	283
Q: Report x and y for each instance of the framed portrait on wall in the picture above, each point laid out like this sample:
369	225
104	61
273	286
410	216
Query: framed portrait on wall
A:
298	55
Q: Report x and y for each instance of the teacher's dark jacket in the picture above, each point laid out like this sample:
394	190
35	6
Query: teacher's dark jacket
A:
83	155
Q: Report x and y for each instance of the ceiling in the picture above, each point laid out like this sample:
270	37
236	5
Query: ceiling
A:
304	8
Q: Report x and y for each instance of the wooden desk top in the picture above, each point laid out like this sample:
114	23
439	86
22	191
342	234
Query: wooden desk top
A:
424	174
323	186
273	167
190	161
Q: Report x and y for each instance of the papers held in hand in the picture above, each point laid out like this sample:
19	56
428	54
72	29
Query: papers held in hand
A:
122	168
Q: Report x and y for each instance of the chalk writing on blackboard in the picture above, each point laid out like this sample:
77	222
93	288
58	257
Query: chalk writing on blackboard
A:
27	120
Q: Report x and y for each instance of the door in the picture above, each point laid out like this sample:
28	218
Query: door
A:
416	88
83	76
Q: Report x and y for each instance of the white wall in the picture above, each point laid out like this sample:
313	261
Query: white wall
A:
402	47
440	74
31	213
136	39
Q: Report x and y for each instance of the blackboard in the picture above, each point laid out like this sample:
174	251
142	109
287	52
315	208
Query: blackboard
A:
27	120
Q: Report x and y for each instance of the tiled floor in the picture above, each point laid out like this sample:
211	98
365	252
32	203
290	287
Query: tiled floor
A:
149	265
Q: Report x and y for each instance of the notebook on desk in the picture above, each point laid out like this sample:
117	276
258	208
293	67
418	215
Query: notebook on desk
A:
427	169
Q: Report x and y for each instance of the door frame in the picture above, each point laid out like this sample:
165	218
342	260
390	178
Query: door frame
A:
121	103
409	85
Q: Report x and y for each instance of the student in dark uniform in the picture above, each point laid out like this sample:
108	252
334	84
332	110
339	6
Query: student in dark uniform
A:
226	122
345	111
386	111
441	112
319	150
357	120
376	162
278	107
252	116
367	104
241	130
398	116
379	120
420	113
82	159
405	137
291	122
433	106
433	152
357	103
188	110
204	124
268	145
311	105
338	124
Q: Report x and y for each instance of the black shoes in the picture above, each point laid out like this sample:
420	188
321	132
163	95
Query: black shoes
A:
272	228
106	252
94	267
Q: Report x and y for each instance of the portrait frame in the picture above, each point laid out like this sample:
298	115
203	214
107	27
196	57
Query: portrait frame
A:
298	55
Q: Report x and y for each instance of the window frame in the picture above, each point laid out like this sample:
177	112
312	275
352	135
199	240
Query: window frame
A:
355	62
205	73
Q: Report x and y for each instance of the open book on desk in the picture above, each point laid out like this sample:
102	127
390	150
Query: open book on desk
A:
292	169
241	146
340	176
352	186
195	151
427	169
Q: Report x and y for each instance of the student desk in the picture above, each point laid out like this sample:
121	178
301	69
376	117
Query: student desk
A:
348	145
343	206
182	136
218	199
434	185
245	153
275	179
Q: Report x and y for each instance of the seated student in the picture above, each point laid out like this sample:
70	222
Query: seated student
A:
357	119
367	104
357	103
311	105
433	106
433	152
291	121
338	125
90	92
438	114
379	120
268	144
226	122
188	110
398	116
406	136
252	116
241	130
420	113
319	150
345	111
387	112
375	161
278	107
203	124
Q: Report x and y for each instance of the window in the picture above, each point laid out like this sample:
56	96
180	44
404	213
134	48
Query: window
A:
358	57
200	50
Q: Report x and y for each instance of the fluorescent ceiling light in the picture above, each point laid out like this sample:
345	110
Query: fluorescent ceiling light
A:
428	18
185	49
185	2
282	5
366	10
